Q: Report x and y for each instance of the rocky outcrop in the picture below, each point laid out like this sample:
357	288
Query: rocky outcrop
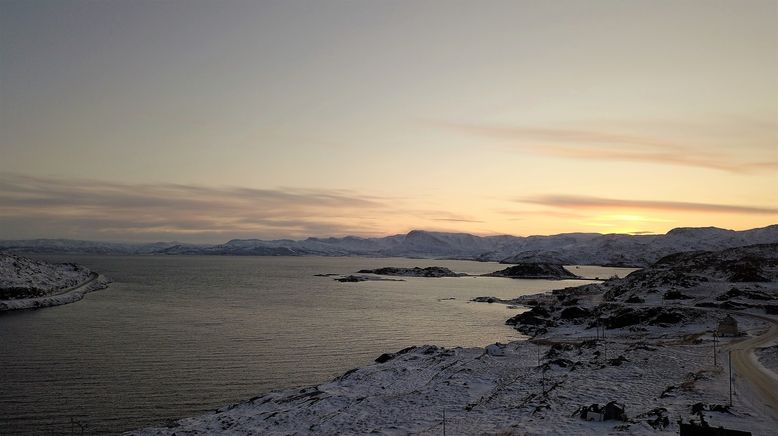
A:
670	275
534	271
432	271
355	279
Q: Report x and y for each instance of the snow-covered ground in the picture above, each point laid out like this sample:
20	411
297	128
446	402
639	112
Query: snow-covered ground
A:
518	388
768	357
26	283
567	248
656	358
21	272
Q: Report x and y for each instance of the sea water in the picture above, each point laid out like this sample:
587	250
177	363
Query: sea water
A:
174	336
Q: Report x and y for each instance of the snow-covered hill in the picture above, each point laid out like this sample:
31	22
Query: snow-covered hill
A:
567	248
21	277
31	284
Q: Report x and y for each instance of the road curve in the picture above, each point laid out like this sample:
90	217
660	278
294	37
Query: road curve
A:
92	277
64	296
744	362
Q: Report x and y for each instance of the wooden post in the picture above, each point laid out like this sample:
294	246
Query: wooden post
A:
730	378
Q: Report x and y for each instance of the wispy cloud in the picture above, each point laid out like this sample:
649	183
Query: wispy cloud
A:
584	202
604	146
99	210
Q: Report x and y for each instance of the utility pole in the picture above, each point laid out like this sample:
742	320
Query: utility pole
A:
444	422
715	338
730	378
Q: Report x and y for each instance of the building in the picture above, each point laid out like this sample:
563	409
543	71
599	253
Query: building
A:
728	326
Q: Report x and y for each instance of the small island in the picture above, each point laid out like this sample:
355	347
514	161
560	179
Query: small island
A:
431	271
29	284
355	279
545	271
526	270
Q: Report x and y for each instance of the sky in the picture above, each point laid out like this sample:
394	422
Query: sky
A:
203	121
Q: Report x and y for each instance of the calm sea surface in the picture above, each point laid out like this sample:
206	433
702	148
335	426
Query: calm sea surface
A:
176	336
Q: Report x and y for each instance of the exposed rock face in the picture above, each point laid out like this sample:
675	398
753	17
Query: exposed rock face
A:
625	317
753	263
432	271
668	293
534	271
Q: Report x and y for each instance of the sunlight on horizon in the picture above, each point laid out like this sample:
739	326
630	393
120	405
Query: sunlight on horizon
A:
204	122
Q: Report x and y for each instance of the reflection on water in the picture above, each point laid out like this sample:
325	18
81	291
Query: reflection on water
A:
175	336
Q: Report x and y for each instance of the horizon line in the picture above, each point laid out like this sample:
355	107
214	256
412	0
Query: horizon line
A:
637	233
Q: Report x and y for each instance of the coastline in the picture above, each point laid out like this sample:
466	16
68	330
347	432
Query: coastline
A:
524	387
66	296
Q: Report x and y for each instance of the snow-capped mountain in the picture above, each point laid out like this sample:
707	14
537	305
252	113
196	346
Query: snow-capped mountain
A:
566	248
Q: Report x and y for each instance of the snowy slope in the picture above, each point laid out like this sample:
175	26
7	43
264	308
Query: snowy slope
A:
569	248
22	276
31	284
520	388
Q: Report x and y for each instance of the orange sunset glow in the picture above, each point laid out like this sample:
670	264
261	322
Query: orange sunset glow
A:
632	117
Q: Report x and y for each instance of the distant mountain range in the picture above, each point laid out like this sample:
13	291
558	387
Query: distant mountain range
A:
566	248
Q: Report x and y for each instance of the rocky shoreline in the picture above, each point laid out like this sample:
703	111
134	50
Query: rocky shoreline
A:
95	283
627	355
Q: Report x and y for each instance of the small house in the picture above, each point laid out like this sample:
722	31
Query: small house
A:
728	326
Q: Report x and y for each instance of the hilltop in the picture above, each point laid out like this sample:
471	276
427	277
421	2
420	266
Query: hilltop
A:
562	249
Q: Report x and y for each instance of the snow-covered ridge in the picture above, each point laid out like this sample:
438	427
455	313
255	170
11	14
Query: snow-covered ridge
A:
27	277
26	283
562	249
